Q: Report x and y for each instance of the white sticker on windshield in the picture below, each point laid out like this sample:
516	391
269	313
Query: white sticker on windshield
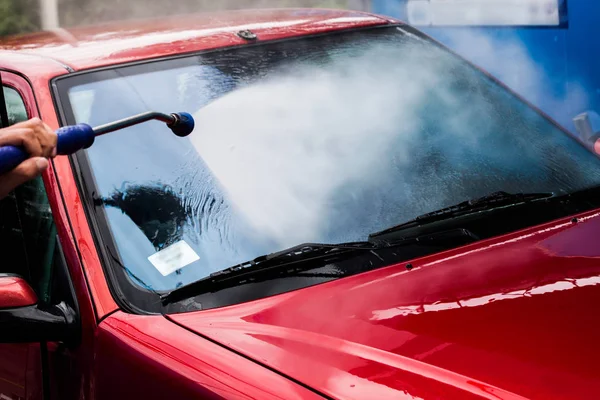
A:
174	257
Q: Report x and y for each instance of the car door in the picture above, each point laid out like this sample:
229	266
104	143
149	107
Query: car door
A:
30	248
20	373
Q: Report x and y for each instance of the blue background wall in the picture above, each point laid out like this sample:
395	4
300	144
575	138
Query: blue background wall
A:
557	69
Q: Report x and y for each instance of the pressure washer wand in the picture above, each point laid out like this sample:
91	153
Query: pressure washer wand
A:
81	136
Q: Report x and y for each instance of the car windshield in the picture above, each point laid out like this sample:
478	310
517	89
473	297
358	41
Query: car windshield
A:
317	139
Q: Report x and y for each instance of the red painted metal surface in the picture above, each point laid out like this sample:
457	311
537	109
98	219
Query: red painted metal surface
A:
509	318
149	357
37	70
15	292
13	364
91	274
116	43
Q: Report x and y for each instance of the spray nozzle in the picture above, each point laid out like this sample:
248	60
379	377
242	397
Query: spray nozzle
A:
81	136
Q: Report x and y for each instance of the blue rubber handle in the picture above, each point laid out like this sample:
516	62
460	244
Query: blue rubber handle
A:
10	157
70	139
73	138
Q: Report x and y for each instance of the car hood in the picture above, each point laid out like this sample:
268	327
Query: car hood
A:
510	318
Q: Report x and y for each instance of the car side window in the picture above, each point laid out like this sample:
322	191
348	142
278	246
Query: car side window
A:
27	230
17	112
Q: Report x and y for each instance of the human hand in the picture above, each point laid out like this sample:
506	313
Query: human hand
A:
38	140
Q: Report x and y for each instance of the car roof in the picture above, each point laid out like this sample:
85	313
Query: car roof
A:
122	42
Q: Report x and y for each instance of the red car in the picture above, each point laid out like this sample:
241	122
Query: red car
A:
359	214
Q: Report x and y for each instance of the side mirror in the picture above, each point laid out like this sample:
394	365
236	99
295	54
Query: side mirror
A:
23	320
587	124
15	292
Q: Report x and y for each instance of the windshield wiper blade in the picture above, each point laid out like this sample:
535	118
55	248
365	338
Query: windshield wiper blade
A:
273	263
485	203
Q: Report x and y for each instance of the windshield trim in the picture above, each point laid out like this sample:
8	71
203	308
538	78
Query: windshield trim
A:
104	240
